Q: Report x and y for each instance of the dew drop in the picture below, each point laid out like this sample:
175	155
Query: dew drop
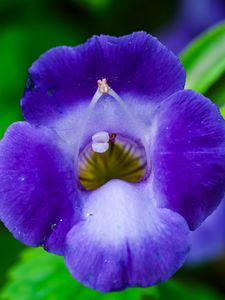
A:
89	215
53	226
22	178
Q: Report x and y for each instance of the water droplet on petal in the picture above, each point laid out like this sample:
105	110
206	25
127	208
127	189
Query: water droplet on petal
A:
22	178
53	226
89	215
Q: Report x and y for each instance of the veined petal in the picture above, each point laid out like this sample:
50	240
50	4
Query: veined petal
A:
38	200
124	240
136	64
188	155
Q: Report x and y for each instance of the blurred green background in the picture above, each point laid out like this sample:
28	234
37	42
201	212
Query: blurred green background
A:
30	27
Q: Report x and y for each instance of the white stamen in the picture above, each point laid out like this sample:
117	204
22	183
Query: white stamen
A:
130	115
100	140
95	99
100	147
103	88
100	137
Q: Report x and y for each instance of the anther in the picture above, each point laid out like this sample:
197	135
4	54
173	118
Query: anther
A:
103	86
100	142
100	147
101	137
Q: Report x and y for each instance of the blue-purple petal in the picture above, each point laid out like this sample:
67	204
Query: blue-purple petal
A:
188	154
135	64
202	13
208	241
124	240
38	199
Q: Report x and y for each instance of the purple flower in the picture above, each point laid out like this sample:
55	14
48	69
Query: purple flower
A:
208	241
114	176
193	17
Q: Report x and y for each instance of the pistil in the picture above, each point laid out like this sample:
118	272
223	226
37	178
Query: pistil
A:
104	142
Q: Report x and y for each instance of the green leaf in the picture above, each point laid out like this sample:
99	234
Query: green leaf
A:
40	275
222	110
204	59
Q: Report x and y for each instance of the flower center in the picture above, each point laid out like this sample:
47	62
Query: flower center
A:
110	156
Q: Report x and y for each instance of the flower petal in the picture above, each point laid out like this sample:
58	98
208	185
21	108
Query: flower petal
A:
134	64
124	240
187	155
208	241
36	192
